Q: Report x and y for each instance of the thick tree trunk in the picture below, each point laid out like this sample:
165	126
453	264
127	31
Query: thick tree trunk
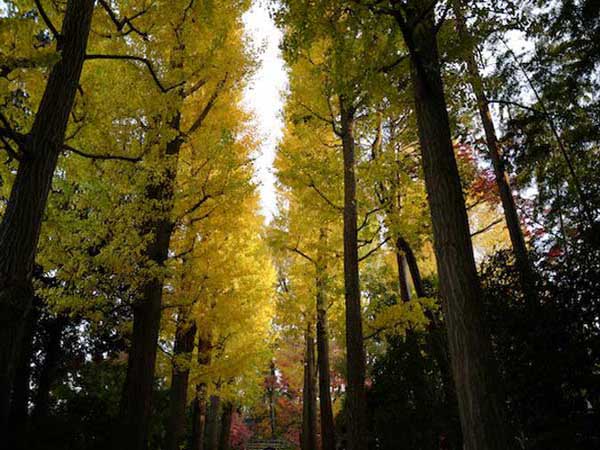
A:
502	181
19	408
136	400
482	411
212	429
309	394
226	419
184	346
355	351
200	406
327	425
22	220
49	370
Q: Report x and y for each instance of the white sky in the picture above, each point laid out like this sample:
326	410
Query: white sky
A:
264	97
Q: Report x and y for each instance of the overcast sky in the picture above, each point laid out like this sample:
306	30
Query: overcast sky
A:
264	97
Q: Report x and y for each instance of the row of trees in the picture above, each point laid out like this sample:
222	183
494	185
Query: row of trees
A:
389	109
134	278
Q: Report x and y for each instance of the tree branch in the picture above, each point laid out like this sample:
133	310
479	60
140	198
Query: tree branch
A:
48	22
131	159
211	102
145	61
487	228
373	250
120	24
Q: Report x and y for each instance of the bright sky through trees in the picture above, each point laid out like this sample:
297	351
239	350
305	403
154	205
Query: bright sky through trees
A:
264	96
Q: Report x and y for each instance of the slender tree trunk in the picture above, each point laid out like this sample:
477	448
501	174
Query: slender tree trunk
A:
49	371
502	181
212	434
482	411
184	346
226	419
200	407
309	394
136	400
22	220
199	418
271	394
327	425
355	351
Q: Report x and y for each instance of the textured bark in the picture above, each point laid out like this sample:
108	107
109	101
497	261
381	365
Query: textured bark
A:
136	400
199	406
309	394
502	181
481	408
355	351
326	409
22	220
212	429
226	420
184	346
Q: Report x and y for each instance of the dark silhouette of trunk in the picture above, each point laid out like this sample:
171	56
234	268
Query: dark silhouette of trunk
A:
18	420
413	267
502	181
212	429
327	425
185	335
136	400
226	419
271	395
309	394
481	408
355	351
49	371
402	279
22	220
199	404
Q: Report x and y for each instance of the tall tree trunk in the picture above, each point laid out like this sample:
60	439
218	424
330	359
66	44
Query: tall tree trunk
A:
19	408
199	405
226	419
355	351
482	411
309	393
22	220
502	181
49	370
136	400
327	425
185	335
212	429
402	279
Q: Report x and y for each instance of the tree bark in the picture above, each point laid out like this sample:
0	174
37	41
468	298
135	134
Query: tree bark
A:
355	351
502	181
22	220
226	420
136	400
199	407
19	408
212	433
326	408
309	394
481	408
184	346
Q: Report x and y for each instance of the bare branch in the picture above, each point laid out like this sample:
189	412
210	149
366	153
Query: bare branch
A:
323	196
487	228
131	159
211	102
373	250
120	23
48	22
145	61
